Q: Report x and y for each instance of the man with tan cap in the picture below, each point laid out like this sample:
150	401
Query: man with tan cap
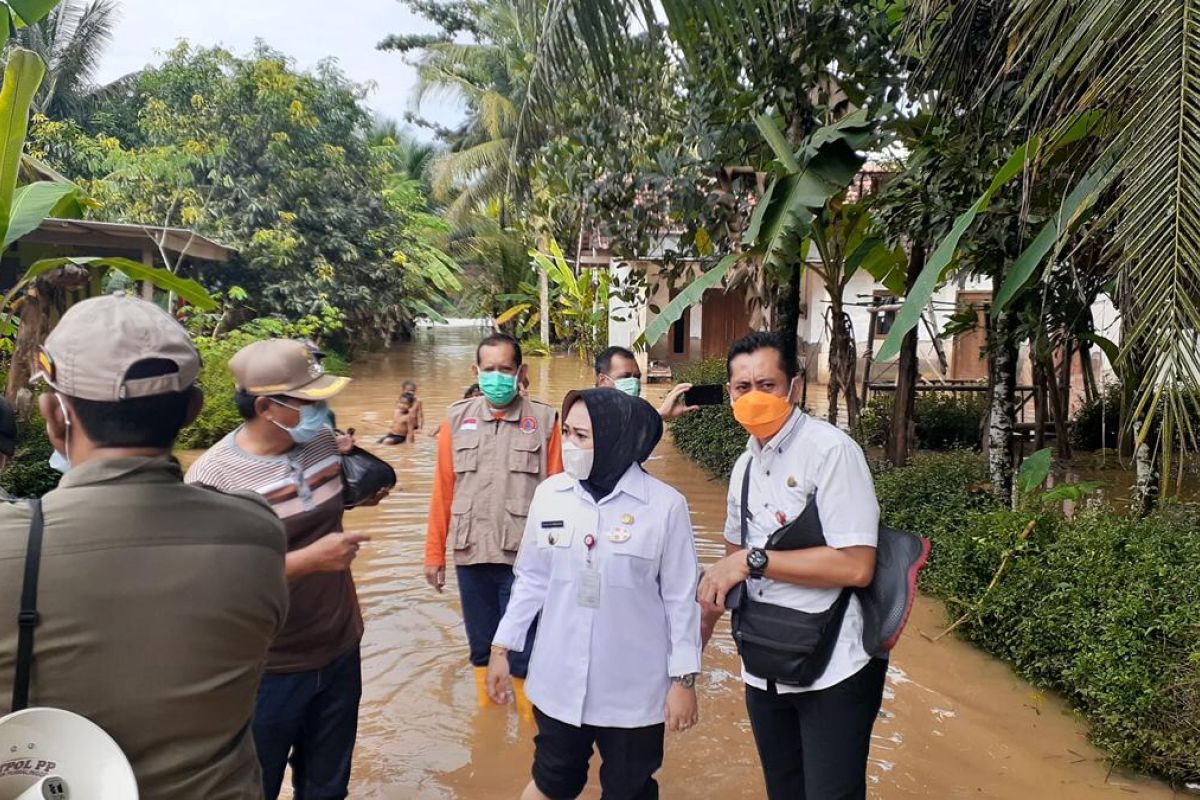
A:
158	601
286	452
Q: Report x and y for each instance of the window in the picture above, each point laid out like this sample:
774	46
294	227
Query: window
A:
884	320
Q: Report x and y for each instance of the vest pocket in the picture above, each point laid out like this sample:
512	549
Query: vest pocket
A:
525	453
516	512
460	521
466	452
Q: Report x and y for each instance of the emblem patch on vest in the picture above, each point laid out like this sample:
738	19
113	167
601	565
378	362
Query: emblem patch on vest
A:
469	424
529	425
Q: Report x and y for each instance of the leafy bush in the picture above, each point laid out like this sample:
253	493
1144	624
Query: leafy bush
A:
711	437
943	421
28	472
1103	608
1097	424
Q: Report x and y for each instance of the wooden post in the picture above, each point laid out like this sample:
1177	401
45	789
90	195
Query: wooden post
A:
147	286
869	356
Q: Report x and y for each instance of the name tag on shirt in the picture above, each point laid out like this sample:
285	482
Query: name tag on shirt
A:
469	425
589	588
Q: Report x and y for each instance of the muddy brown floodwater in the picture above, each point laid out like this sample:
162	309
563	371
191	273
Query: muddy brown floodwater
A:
955	723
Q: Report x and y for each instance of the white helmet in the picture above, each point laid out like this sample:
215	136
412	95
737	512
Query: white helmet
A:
51	754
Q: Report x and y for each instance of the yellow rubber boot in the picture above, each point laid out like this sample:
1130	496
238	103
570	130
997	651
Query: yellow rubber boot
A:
481	693
524	707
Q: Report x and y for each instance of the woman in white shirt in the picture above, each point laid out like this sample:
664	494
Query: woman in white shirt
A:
609	562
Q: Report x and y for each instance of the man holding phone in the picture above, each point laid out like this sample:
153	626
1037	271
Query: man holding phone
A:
617	368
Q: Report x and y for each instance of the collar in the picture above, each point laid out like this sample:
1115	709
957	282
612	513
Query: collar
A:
483	410
632	483
780	441
154	469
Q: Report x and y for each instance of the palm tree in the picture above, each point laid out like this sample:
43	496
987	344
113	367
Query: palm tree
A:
71	40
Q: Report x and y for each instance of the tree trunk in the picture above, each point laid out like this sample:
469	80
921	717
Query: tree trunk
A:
841	362
1146	487
1039	404
904	400
544	293
37	310
787	312
1002	374
1062	400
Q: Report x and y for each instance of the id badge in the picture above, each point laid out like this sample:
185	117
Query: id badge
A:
589	588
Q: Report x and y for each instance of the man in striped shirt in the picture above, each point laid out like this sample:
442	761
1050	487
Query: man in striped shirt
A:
284	451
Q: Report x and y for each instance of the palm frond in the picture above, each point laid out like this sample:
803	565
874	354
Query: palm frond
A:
468	166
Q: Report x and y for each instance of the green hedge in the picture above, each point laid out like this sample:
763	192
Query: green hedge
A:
28	473
1104	609
943	421
711	437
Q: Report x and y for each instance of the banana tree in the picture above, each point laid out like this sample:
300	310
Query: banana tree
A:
803	184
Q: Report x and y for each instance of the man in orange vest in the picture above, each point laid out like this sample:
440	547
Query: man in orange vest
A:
493	451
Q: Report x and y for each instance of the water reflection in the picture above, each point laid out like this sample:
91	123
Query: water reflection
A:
955	724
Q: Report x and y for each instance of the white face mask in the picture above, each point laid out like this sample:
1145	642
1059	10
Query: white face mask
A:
577	462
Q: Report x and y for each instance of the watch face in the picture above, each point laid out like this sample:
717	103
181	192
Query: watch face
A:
757	559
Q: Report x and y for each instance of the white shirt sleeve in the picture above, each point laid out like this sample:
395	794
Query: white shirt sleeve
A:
679	572
846	498
733	504
532	571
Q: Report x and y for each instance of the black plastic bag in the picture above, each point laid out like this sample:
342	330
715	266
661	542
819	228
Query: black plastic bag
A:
364	474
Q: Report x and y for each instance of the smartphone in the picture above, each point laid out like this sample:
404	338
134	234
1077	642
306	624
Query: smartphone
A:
712	394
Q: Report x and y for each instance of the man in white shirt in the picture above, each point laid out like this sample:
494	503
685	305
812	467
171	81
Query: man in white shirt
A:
813	740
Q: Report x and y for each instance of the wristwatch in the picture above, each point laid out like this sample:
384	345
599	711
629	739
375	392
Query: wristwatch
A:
686	681
757	560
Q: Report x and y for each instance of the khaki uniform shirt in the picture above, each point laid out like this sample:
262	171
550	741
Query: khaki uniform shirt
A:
158	603
488	468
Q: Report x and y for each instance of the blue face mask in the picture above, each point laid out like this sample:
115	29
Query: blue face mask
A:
59	462
313	418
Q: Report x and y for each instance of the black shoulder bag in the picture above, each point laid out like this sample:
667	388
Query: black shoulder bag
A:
778	643
27	617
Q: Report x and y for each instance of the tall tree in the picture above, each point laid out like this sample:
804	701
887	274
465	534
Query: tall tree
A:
71	39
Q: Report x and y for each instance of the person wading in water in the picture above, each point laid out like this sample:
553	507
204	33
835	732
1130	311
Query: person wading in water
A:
492	452
609	562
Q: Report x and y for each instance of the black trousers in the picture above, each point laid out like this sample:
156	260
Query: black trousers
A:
814	745
629	759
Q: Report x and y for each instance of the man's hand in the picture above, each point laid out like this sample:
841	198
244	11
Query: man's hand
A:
719	579
499	682
682	708
673	406
333	552
345	441
436	577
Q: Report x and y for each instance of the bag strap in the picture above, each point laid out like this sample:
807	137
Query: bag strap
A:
27	617
746	501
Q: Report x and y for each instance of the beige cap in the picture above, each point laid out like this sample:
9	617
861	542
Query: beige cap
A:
96	342
284	367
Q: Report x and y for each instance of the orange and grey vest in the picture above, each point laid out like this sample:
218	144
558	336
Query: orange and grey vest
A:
498	463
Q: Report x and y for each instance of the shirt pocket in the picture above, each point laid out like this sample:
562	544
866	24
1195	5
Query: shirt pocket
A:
525	454
633	562
556	542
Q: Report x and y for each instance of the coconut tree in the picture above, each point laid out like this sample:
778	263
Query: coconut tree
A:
71	40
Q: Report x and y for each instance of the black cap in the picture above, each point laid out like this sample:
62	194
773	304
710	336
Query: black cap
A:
8	428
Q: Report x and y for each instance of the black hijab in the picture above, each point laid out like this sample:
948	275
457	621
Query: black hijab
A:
625	431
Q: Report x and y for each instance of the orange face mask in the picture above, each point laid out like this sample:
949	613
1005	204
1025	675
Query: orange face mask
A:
762	414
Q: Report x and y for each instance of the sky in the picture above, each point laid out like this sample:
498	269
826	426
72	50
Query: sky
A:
306	30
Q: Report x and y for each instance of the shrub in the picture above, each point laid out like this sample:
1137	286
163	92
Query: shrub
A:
1097	423
943	421
1103	608
28	473
711	437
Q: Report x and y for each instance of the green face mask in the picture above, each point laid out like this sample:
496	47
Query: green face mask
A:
498	388
630	386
